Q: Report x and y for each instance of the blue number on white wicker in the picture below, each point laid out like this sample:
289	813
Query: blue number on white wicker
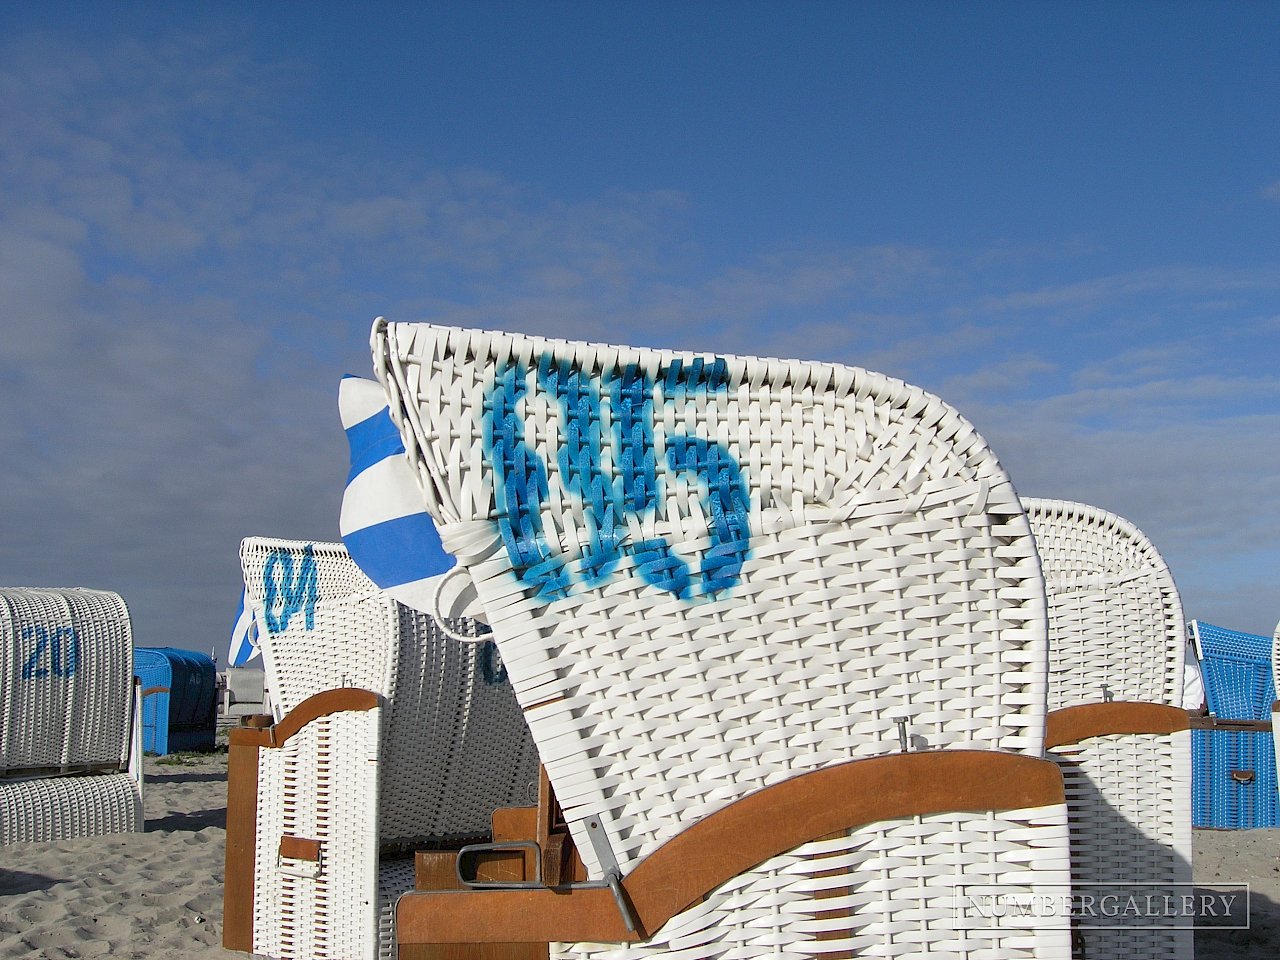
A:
891	577
608	505
59	647
70	744
288	590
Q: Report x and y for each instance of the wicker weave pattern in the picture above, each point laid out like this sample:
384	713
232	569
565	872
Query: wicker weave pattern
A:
430	766
1116	633
66	688
62	808
1130	803
885	890
794	557
321	785
451	712
1219	798
1115	620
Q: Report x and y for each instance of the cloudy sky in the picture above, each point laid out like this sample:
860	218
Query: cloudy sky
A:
1061	218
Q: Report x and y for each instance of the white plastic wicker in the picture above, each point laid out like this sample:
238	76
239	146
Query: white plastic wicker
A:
1116	634
67	763
1115	620
429	767
709	576
1275	706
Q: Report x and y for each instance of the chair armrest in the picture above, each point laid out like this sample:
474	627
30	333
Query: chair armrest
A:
731	841
242	800
1073	724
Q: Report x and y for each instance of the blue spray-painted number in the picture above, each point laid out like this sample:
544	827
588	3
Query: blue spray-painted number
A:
289	591
62	647
522	490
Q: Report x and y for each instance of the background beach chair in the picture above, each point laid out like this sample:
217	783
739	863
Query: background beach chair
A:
387	737
179	699
70	749
772	624
1234	747
1116	724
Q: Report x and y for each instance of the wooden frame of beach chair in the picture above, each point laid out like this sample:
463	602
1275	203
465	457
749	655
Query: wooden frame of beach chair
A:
70	716
389	736
779	632
1116	725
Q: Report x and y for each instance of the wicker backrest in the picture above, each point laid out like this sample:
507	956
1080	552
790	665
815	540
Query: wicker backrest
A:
453	743
66	681
1275	659
707	575
1237	671
1115	619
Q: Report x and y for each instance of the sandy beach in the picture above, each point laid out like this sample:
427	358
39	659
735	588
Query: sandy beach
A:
158	895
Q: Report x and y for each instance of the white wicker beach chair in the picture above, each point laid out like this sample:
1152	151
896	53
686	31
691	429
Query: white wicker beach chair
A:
1275	706
70	740
1116	724
778	629
388	736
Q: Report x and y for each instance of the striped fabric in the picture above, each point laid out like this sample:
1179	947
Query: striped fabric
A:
244	635
383	523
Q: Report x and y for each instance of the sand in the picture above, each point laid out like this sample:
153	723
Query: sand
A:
158	895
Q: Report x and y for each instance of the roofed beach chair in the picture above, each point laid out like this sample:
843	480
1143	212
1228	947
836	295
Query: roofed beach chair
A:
1116	724
778	629
70	739
388	736
1233	748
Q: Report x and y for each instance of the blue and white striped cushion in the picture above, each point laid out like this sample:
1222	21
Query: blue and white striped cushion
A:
383	524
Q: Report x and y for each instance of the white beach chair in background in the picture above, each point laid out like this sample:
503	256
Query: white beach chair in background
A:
388	736
70	733
1275	706
778	629
1116	724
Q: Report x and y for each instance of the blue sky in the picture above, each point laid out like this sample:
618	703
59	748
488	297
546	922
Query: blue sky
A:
1061	218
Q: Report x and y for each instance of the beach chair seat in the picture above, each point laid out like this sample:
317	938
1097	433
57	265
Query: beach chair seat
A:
1116	724
1233	746
720	585
70	745
387	736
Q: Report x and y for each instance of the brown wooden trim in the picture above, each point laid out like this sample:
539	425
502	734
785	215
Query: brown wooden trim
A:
242	828
515	823
1236	726
299	848
735	839
257	721
150	690
1073	724
313	708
